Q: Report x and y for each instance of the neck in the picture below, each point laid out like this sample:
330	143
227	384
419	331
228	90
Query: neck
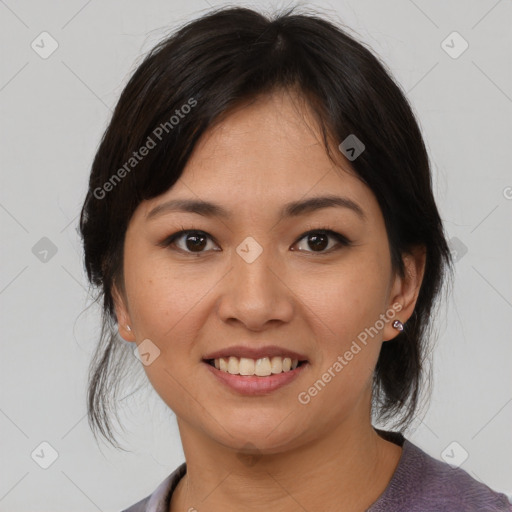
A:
350	467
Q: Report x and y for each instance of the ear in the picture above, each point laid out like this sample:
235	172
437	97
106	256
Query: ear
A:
405	290
122	315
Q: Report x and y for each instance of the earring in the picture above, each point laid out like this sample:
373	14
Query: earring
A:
128	328
398	325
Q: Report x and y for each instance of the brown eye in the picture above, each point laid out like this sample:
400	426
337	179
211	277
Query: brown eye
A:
318	240
195	242
189	241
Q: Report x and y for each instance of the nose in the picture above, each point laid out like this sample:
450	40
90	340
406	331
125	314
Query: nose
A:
256	294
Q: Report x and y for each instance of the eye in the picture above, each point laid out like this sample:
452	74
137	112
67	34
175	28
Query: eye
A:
319	239
194	241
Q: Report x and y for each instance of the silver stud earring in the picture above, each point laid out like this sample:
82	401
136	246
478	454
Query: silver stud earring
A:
398	325
128	328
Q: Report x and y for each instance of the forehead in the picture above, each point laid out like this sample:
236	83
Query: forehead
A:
275	137
262	155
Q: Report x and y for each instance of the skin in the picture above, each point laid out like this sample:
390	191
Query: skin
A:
315	301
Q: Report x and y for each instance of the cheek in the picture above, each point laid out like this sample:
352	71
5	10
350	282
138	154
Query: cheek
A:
164	304
341	315
343	306
162	295
348	298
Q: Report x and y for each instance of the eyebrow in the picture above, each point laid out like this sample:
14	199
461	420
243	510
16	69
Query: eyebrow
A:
293	209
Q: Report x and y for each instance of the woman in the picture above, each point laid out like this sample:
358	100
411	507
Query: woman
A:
262	229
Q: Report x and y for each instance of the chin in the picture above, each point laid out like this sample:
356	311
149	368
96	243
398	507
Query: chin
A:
266	438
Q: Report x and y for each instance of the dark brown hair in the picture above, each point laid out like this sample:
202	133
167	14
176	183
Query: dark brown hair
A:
199	74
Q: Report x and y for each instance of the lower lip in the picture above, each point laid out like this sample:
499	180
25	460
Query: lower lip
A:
253	385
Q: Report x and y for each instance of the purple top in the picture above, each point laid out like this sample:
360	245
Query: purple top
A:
420	483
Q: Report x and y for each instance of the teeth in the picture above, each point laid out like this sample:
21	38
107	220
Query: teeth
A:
276	363
223	364
233	365
245	366
262	367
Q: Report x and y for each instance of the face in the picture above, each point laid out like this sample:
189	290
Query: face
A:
253	278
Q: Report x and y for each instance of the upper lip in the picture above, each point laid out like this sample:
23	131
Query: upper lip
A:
255	352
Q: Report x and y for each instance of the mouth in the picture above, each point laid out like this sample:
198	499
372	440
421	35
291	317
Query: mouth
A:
255	377
261	367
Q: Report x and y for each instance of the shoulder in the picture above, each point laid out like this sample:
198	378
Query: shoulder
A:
159	499
140	506
422	483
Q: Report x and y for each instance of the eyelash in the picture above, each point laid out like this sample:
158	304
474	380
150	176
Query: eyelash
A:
326	230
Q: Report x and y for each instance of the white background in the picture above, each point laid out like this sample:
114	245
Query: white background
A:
53	113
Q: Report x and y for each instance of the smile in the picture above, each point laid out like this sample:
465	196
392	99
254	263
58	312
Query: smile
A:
278	371
262	367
